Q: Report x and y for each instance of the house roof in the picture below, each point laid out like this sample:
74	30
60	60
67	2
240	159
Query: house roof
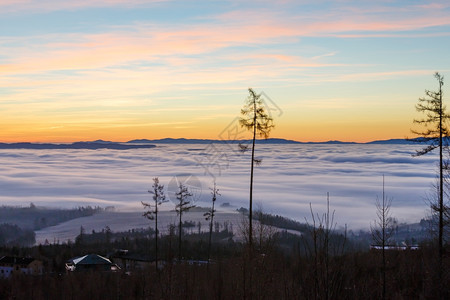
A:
90	259
16	260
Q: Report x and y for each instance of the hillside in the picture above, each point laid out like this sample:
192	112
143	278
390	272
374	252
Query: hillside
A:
62	225
36	218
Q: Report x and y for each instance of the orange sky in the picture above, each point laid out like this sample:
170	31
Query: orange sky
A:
122	70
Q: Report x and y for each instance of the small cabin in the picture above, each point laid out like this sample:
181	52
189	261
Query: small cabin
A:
91	262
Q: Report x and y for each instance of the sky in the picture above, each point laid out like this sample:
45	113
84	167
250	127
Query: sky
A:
127	69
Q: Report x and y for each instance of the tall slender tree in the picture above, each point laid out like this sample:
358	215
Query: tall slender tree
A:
435	133
382	230
151	212
183	205
210	215
255	119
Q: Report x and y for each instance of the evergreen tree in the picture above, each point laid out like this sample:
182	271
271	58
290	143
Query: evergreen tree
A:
255	119
182	206
435	134
151	212
210	216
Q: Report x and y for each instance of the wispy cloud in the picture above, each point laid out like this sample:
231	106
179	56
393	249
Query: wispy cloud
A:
171	46
39	6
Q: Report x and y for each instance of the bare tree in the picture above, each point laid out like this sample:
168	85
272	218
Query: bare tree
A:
265	233
324	241
151	212
254	118
210	216
445	208
434	133
435	205
182	206
382	230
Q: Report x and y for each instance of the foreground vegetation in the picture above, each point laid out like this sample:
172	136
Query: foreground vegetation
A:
272	276
318	264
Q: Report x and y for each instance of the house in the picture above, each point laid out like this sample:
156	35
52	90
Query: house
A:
11	265
91	262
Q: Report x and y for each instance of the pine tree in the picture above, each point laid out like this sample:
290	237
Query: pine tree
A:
255	119
210	216
435	134
152	213
182	206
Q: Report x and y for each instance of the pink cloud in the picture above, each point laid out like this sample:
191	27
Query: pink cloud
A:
175	47
147	42
93	51
345	19
193	54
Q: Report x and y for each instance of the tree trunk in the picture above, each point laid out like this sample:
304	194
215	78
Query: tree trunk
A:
179	239
250	213
441	193
156	235
383	241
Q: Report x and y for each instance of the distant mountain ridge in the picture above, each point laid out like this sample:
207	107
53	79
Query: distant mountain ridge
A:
99	144
145	143
262	141
208	141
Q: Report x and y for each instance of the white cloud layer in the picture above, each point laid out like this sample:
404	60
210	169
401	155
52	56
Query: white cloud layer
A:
290	177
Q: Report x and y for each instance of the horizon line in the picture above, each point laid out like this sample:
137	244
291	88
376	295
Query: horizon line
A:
209	139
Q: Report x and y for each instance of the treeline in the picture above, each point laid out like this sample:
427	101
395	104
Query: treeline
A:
281	222
141	241
19	223
14	236
35	218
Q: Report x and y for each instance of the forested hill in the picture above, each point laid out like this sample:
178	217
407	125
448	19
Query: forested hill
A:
17	224
35	218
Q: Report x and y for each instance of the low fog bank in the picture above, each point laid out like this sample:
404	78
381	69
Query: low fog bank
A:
289	179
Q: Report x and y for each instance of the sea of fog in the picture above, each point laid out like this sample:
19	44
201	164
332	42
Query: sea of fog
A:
289	178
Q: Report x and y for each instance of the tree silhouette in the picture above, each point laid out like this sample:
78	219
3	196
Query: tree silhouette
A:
434	132
152	213
182	206
255	119
320	246
383	230
210	216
